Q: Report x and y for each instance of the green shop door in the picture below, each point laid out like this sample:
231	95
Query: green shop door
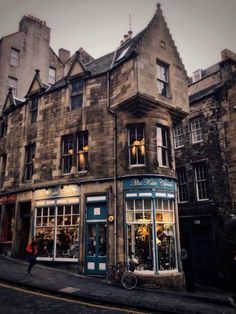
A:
96	239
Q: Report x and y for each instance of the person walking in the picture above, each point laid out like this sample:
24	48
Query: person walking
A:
32	252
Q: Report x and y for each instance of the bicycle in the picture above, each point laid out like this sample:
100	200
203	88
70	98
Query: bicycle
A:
118	273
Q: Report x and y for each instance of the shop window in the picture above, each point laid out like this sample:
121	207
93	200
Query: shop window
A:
178	136
29	162
182	186
82	151
141	228
67	153
3	163
136	144
14	57
163	79
196	126
34	109
57	230
163	147
13	84
52	76
201	181
77	87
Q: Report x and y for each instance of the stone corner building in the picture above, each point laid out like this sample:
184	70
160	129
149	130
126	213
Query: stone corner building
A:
88	165
206	166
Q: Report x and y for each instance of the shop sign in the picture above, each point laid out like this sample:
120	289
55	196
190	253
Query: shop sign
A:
7	198
157	183
57	191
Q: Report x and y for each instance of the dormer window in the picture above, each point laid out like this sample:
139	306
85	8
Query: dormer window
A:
77	87
34	109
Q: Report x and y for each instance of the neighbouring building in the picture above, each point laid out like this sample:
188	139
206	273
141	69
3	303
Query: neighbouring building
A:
205	150
88	164
23	52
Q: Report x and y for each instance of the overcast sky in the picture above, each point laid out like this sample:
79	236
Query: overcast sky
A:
200	28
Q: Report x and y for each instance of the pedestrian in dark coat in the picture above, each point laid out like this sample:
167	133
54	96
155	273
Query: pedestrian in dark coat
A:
32	252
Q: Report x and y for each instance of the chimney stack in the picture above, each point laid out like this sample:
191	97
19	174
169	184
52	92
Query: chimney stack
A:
64	55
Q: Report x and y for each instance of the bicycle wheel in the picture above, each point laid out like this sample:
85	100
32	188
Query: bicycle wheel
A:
110	275
129	280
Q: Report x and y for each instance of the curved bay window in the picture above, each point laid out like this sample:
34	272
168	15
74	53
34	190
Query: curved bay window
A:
57	231
151	234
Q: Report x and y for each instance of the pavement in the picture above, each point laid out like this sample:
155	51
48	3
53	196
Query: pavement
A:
68	284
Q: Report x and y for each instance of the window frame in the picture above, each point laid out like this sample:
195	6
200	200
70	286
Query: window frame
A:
201	181
13	86
196	131
182	186
178	135
82	151
29	162
51	78
67	154
163	148
3	166
163	82
137	147
14	59
77	91
33	108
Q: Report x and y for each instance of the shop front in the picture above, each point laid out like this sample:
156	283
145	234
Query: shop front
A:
56	223
151	224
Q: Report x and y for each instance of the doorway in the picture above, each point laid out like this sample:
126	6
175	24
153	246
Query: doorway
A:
96	239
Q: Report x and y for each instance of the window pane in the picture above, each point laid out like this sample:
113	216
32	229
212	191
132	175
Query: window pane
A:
76	101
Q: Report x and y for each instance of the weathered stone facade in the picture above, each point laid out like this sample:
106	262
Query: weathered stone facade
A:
207	221
127	162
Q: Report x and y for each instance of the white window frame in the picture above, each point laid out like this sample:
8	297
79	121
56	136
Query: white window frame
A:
201	181
162	146
178	136
163	86
136	147
196	125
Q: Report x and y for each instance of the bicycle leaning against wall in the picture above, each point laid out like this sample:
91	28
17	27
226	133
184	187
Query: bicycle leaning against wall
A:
122	274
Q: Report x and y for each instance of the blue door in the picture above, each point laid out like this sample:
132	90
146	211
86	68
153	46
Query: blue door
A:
96	239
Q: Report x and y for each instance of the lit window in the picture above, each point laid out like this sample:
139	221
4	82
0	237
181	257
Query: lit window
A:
196	125
178	136
60	224
12	83
77	94
82	151
29	162
201	182
67	153
163	79
14	57
34	109
136	145
182	186
162	146
52	76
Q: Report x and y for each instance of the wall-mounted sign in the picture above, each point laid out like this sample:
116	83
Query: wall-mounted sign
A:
150	182
97	211
7	198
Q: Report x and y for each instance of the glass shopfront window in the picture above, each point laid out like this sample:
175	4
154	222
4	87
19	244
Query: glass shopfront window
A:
151	240
57	230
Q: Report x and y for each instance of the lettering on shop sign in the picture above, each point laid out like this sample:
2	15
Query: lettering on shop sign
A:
151	183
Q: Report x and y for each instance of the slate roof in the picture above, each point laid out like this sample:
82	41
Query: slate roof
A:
204	93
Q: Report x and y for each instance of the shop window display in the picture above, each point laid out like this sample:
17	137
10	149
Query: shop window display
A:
57	231
151	238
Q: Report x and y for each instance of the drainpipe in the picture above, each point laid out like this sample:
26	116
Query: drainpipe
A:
115	166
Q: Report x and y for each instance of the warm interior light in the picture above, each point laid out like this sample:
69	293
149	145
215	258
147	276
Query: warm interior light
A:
70	151
85	148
